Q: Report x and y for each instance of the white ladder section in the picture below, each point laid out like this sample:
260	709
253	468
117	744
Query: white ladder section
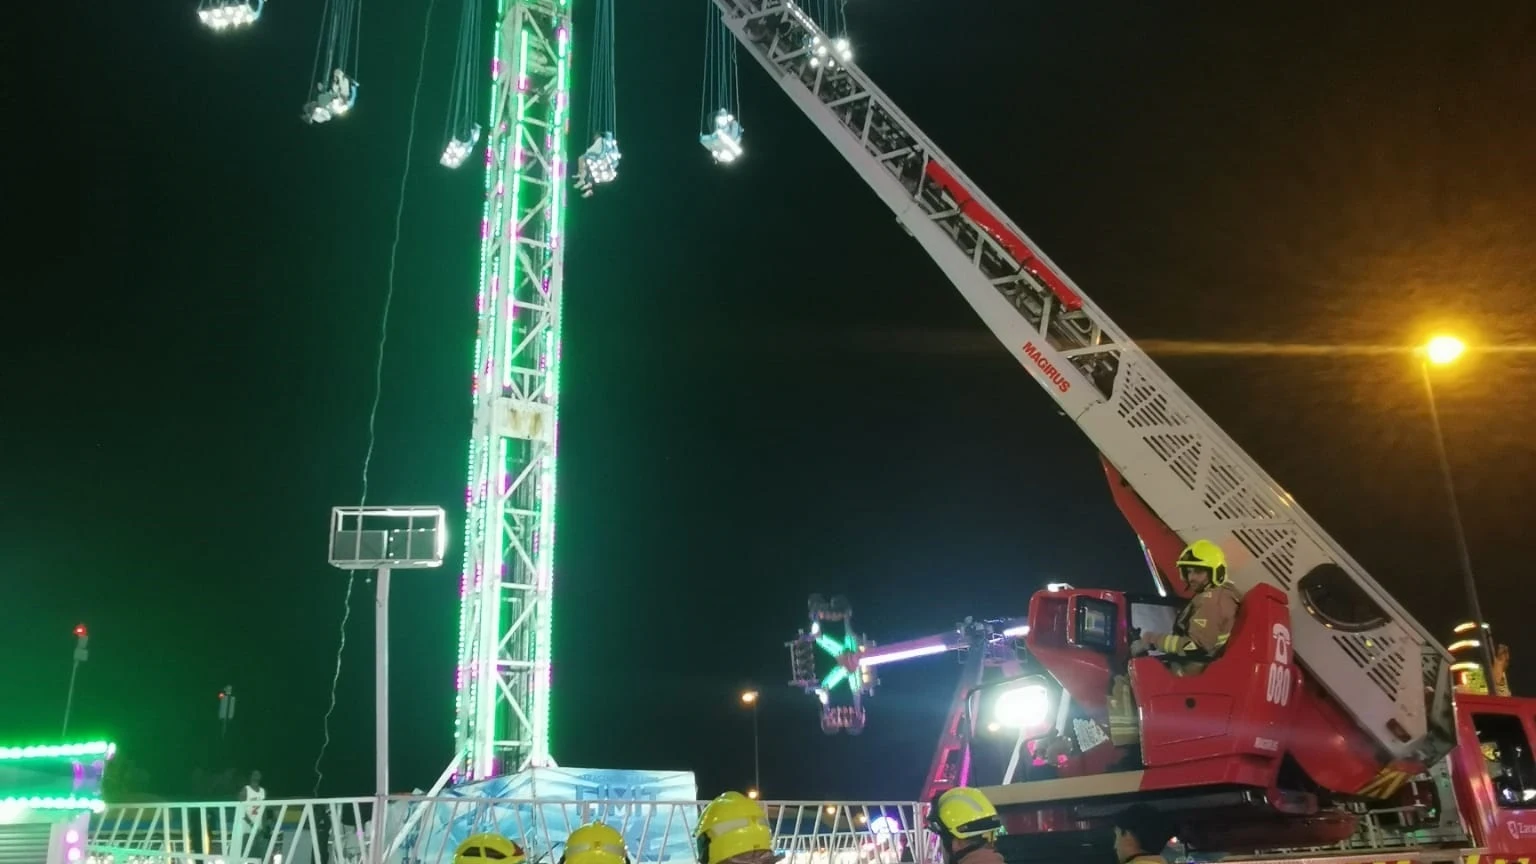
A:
1369	653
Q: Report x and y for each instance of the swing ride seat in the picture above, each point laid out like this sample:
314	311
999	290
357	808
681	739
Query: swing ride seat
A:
219	15
724	141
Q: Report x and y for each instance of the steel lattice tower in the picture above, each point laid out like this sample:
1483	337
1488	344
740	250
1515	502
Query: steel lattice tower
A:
504	629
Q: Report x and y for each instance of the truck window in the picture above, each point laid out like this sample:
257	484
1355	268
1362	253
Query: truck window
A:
1507	758
1334	598
1154	617
1096	624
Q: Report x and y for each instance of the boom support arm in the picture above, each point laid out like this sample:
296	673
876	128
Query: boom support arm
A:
1353	637
927	646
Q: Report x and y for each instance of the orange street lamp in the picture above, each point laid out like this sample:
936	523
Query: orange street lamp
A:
1443	350
749	698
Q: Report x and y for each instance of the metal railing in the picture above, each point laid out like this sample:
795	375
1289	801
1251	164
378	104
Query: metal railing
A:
421	830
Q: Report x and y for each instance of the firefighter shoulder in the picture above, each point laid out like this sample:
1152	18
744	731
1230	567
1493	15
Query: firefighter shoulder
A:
595	843
733	828
967	825
1207	619
479	848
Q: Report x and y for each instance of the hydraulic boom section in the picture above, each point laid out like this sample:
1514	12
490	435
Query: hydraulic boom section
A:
1381	666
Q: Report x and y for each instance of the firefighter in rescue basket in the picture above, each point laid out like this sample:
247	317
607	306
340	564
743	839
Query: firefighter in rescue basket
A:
1205	624
1199	634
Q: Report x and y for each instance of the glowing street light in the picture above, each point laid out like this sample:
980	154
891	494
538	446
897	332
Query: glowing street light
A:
1444	350
749	698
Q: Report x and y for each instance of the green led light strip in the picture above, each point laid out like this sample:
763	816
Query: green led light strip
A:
103	749
95	805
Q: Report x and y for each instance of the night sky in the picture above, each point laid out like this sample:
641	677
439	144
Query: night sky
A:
768	389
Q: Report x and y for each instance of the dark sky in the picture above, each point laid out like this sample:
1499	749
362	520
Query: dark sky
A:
768	389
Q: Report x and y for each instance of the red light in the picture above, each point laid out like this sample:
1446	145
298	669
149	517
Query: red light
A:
79	629
221	694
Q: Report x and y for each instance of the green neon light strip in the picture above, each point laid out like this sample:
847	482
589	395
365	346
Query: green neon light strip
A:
95	805
104	749
837	649
467	678
544	636
834	678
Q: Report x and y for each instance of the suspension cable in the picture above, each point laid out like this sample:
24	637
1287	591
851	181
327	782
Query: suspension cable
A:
602	103
464	88
722	76
378	381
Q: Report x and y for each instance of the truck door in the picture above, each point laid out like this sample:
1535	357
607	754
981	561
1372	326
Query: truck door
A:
1500	772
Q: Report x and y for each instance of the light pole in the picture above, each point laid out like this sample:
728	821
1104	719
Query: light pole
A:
383	539
82	640
749	698
1443	351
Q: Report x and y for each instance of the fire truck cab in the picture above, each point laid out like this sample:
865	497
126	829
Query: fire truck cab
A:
1247	755
1493	773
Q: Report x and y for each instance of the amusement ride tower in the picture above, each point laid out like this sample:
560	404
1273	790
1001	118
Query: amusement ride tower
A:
503	671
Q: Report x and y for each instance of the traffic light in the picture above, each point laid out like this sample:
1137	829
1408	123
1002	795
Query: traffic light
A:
82	641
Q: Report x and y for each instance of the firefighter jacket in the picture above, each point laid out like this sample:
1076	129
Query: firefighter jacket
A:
1204	625
983	854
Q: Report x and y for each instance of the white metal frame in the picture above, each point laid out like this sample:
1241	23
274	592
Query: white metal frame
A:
413	524
806	832
504	640
1195	478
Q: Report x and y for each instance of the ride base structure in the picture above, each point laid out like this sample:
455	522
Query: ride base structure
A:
47	795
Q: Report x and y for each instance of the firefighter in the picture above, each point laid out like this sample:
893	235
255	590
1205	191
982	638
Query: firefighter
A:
1206	622
967	826
595	843
479	848
1141	833
734	829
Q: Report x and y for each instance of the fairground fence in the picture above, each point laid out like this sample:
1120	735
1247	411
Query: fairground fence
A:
429	830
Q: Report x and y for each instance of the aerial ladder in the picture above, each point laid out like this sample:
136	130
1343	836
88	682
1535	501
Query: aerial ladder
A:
1336	692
